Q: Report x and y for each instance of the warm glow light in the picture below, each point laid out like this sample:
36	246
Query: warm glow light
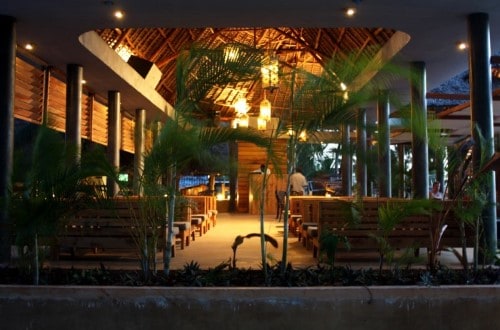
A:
243	120
261	124
269	72
343	86
346	96
231	53
462	45
124	52
84	81
29	46
303	136
119	14
350	12
219	197
265	110
241	106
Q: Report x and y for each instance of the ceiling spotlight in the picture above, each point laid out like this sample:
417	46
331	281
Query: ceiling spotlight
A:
350	12
119	14
461	45
29	46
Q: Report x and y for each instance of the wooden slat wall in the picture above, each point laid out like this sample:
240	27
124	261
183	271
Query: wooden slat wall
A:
57	104
28	99
148	143
100	123
127	134
86	125
28	106
249	159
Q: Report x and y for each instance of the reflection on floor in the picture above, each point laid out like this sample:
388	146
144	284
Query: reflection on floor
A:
214	247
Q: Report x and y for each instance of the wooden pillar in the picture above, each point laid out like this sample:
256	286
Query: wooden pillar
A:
139	140
384	143
482	117
114	138
361	159
420	150
74	107
7	83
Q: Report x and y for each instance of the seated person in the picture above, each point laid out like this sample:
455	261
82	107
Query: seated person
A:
435	192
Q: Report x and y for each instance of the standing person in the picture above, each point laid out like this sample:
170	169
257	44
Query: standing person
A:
262	169
298	183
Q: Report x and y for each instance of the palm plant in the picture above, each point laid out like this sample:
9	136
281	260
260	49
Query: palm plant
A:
326	101
52	188
184	138
468	194
389	216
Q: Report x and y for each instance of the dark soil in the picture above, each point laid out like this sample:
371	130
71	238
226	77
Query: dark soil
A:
223	276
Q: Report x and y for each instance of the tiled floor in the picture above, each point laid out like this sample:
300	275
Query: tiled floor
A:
214	248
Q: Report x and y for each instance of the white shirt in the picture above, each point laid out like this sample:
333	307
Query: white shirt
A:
298	182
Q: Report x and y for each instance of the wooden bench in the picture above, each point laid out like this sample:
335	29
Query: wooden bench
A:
412	232
116	226
203	213
307	207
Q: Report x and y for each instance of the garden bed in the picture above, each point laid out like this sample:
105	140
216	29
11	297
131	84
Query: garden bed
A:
223	276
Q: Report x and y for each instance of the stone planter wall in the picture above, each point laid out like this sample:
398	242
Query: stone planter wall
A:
450	307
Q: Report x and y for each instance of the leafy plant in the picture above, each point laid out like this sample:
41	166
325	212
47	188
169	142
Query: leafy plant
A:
52	187
390	215
329	242
468	198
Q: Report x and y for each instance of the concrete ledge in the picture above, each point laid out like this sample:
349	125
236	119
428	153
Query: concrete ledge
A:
82	307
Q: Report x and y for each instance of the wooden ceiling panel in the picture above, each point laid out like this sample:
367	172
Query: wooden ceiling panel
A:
307	48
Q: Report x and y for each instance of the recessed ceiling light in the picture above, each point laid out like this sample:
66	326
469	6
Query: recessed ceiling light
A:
119	14
461	45
29	46
350	12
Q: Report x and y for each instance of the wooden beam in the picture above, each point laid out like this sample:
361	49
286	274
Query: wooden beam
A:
447	96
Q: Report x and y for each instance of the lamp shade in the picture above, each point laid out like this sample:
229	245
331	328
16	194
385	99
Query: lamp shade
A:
269	72
265	110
